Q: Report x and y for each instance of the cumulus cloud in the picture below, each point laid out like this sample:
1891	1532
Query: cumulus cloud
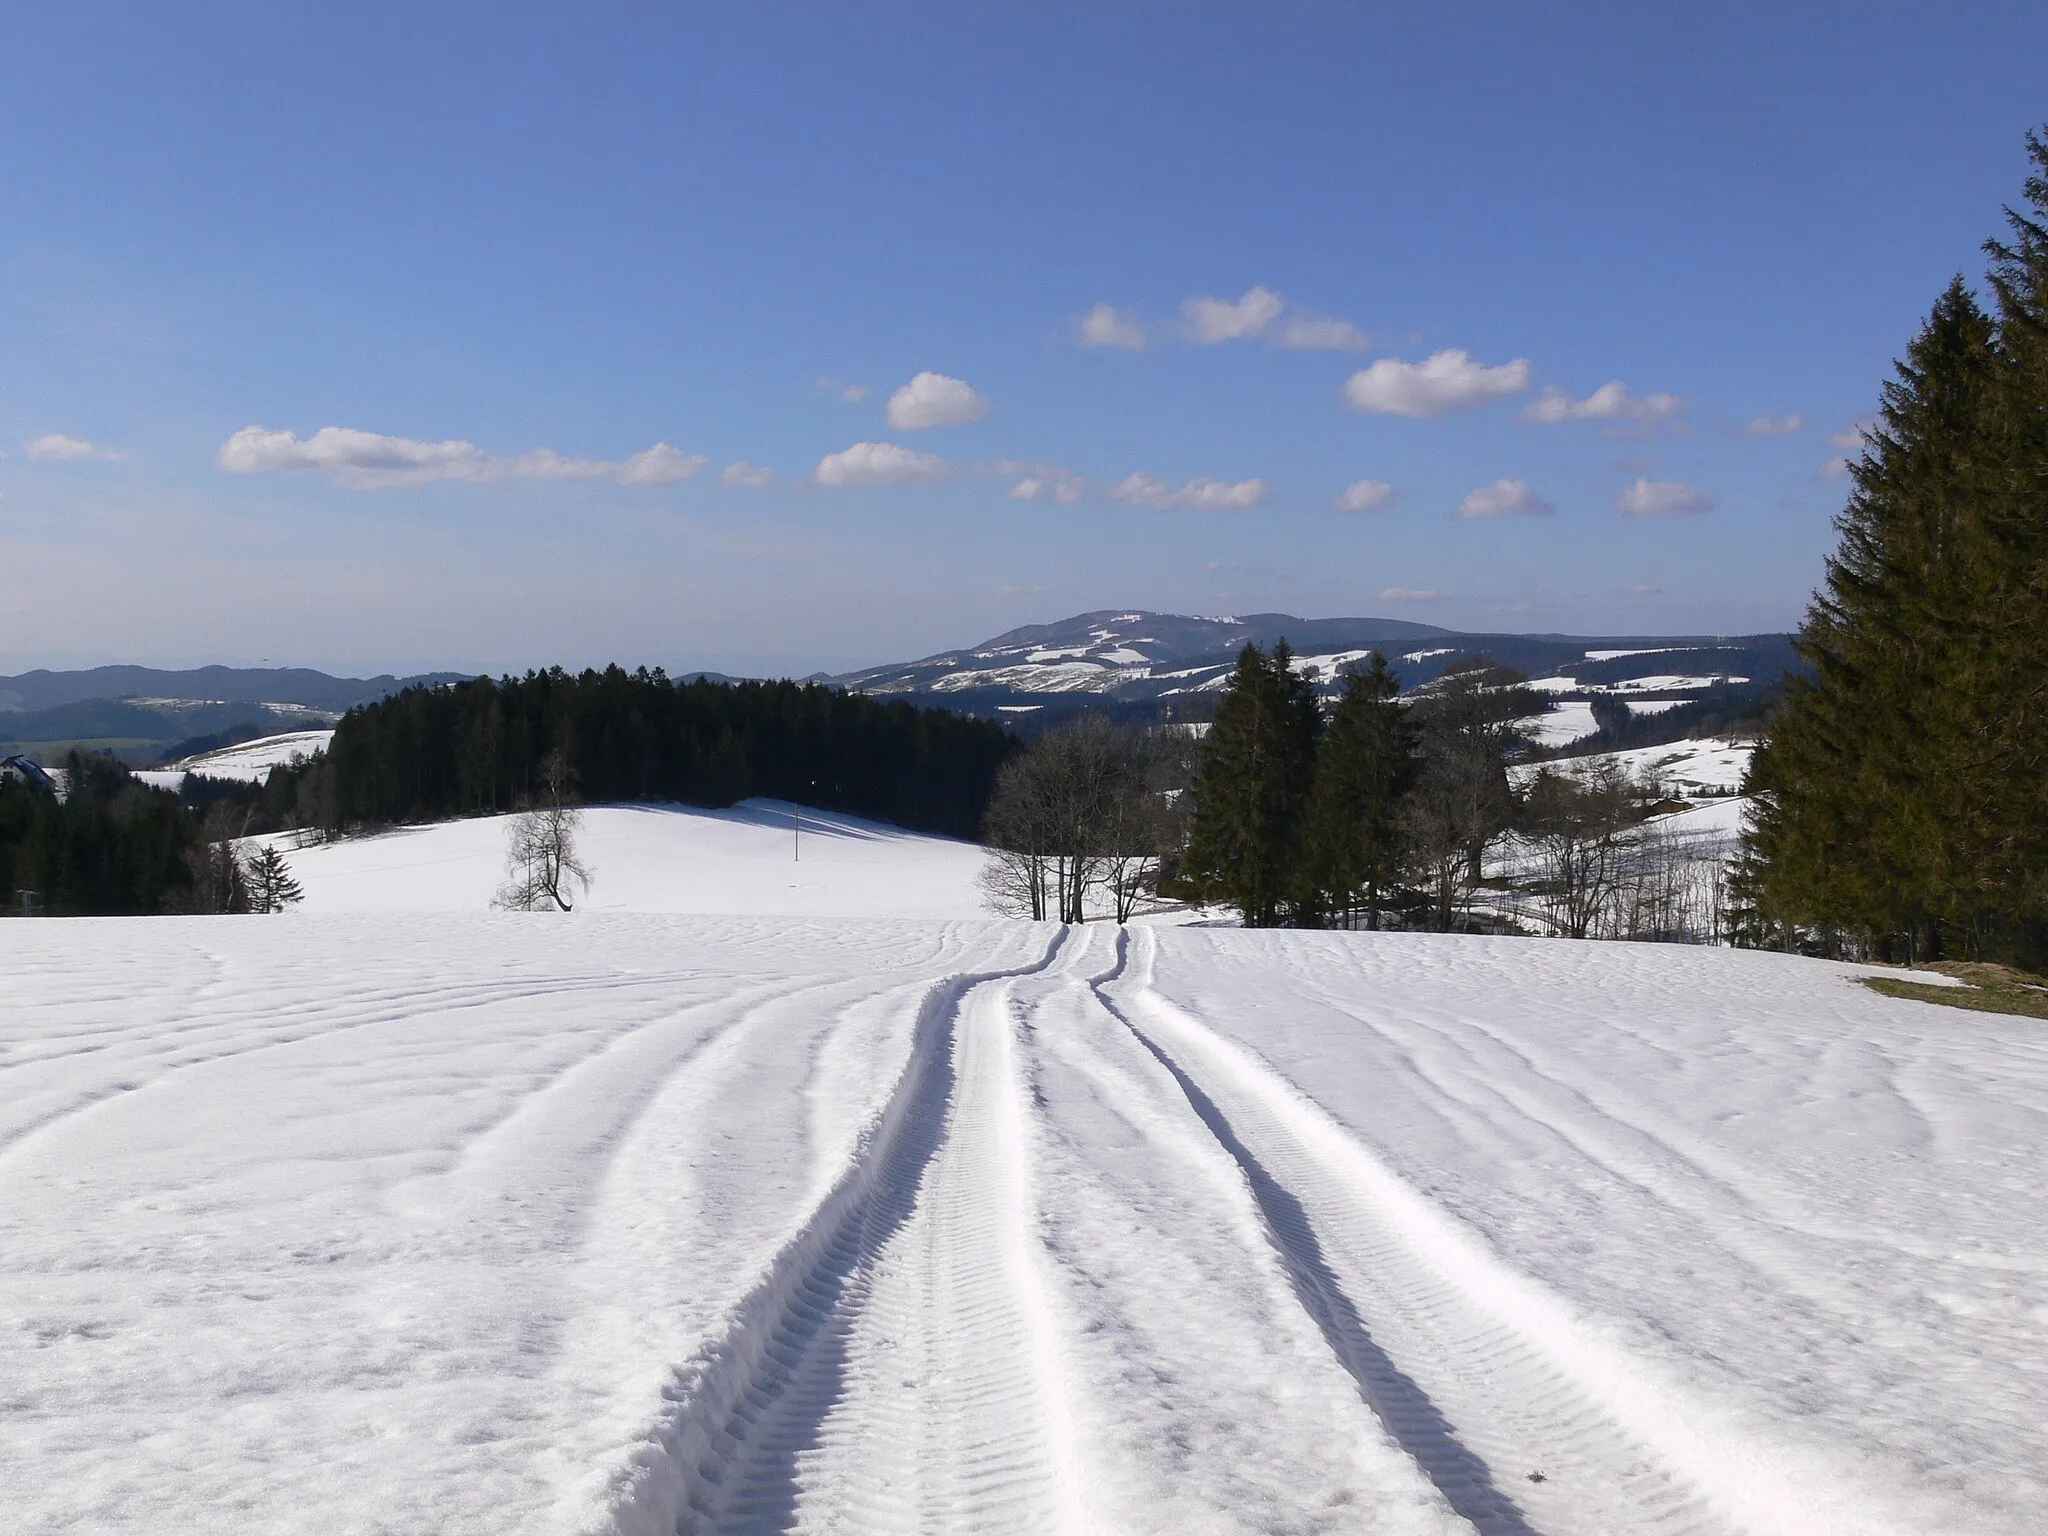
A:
1851	437
1106	326
659	465
1610	402
935	400
852	394
1207	319
1663	498
379	460
1446	381
1201	494
1834	469
1035	481
1210	319
740	472
1308	332
881	464
1408	594
1773	426
1504	498
1363	496
53	446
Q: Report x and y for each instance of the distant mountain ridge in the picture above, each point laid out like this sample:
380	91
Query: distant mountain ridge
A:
1135	658
138	712
227	685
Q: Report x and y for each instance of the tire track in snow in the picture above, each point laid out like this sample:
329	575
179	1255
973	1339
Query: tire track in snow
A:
146	1068
1511	1373
1466	1481
797	1402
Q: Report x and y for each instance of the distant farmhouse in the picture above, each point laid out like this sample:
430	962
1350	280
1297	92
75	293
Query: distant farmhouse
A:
23	770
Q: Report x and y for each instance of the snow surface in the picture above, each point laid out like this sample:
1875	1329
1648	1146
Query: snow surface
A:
1710	765
1565	722
605	1222
751	859
248	761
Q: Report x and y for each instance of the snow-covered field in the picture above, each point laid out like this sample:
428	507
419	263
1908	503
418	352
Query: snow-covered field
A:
752	859
249	761
607	1222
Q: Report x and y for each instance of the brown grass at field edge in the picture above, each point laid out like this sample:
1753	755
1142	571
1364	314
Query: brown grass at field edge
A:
1985	989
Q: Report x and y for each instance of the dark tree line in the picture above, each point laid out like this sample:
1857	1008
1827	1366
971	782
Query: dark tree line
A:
1375	809
1303	821
477	747
1903	794
113	846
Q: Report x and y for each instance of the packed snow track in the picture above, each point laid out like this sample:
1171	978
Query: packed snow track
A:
606	1223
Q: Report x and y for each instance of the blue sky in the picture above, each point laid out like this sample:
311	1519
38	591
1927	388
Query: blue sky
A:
566	284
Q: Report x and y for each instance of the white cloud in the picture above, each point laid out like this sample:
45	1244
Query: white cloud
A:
1311	332
935	400
378	460
1850	438
546	464
1834	469
881	464
1363	496
58	445
1201	494
1105	326
1211	319
1504	498
852	394
1611	401
1663	498
1773	426
1036	481
1408	594
659	465
368	459
740	472
1064	489
1440	384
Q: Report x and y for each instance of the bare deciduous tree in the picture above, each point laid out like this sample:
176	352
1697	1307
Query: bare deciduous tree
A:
1072	814
542	868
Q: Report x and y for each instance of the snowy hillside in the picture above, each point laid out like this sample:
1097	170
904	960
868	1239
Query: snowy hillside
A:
751	859
487	1223
1156	657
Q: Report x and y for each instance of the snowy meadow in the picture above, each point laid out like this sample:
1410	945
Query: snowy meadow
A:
894	1219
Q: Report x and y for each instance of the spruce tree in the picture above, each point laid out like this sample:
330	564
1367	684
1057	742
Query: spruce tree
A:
1257	772
1903	796
272	886
1867	811
1364	766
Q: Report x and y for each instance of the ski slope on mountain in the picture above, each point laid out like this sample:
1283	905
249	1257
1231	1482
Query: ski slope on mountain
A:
603	1222
758	857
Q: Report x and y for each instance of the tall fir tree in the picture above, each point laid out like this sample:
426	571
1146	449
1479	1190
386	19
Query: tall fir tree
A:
1865	813
1364	766
1245	847
1903	795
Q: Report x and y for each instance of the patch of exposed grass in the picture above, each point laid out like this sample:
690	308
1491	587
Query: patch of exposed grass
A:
1986	989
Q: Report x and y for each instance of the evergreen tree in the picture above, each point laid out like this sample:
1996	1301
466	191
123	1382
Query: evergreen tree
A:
1903	796
1246	846
1365	764
1865	816
271	885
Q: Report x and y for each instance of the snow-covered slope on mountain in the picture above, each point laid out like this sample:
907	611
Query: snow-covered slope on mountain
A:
1156	659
